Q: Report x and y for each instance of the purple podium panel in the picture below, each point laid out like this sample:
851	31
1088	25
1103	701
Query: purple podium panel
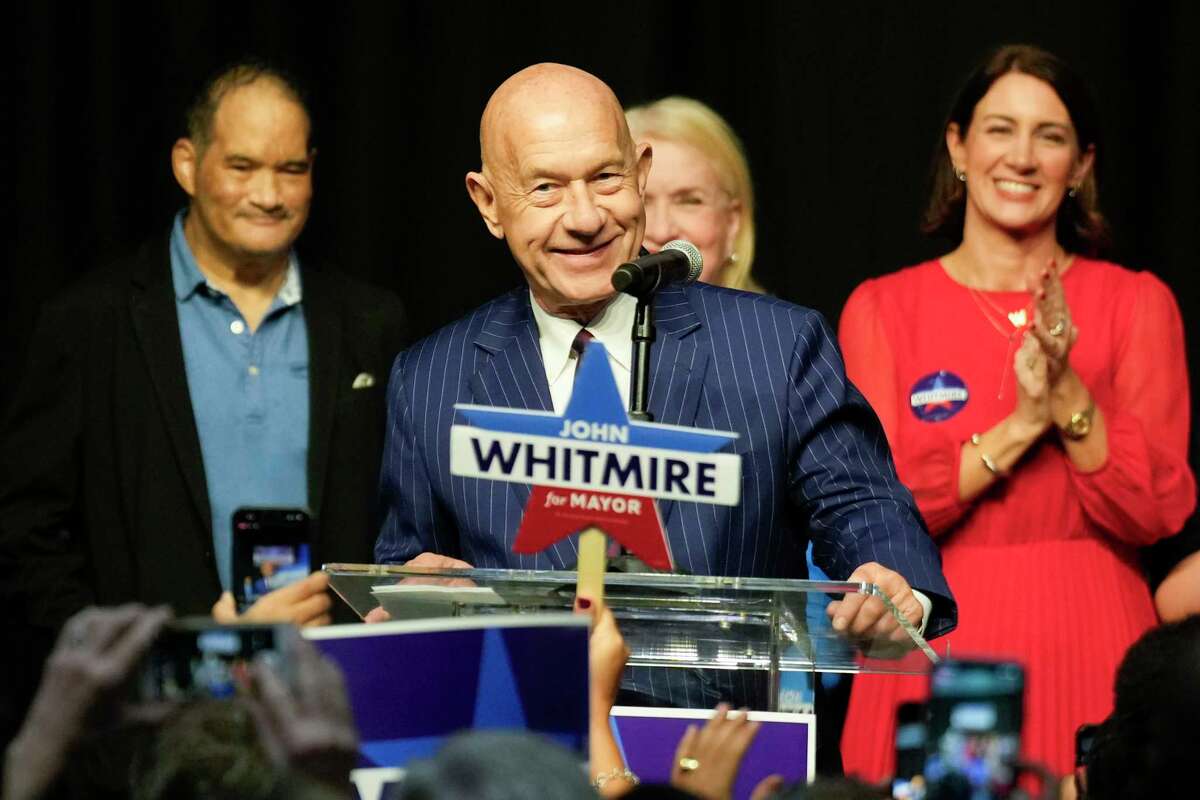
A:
785	744
413	684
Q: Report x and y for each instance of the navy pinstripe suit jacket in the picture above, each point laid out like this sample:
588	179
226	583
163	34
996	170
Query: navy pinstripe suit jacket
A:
815	462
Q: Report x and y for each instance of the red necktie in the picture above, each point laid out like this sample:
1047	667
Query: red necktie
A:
581	339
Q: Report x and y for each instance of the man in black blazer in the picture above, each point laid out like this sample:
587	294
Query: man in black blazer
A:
107	461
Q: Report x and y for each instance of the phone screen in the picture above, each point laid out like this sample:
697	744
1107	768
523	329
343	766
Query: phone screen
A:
974	728
271	549
199	658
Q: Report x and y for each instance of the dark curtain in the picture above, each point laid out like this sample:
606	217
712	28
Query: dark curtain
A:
839	104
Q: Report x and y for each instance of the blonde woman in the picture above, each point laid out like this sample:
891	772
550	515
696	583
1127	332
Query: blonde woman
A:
699	187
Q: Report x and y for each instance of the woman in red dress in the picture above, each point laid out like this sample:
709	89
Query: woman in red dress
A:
1036	401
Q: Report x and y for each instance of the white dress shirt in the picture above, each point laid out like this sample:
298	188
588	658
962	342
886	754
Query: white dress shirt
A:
611	327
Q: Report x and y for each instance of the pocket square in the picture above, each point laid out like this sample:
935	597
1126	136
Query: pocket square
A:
363	380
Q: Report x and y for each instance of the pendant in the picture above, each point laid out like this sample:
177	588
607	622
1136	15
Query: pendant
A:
1017	318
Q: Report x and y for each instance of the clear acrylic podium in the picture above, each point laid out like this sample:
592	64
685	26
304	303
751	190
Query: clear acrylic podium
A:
687	621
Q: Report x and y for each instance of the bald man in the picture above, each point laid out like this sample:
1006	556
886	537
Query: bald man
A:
562	183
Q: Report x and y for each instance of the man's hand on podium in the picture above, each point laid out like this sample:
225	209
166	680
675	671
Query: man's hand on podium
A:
430	561
303	603
437	561
864	617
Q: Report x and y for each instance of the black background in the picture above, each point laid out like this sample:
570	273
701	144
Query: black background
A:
839	103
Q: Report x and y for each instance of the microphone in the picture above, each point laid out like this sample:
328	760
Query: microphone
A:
678	261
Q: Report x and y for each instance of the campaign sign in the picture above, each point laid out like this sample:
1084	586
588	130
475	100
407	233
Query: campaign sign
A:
412	685
786	744
592	465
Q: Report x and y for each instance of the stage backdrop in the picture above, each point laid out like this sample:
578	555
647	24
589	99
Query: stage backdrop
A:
839	104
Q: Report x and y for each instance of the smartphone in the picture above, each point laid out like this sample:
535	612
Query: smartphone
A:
975	713
1085	736
911	733
198	658
271	549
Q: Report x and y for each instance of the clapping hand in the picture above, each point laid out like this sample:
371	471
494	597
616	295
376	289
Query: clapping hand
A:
1031	367
1052	326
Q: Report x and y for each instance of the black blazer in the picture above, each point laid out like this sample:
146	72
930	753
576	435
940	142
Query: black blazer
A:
102	489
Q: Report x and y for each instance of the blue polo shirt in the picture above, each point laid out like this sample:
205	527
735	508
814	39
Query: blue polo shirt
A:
249	395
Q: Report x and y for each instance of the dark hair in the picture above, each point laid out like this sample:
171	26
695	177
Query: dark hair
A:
1080	226
203	109
1146	748
209	748
830	788
496	765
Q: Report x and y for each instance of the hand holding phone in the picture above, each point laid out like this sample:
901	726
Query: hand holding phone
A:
304	603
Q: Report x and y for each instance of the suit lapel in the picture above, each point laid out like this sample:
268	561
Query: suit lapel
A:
323	319
512	375
156	326
677	366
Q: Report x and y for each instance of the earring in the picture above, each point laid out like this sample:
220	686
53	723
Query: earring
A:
1074	190
732	258
960	174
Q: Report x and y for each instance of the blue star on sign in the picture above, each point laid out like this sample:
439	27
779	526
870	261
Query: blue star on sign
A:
595	398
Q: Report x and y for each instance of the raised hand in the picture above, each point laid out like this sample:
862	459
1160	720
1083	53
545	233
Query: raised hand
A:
707	759
305	724
81	690
607	654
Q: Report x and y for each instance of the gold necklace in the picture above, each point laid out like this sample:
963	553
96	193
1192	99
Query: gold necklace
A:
1019	320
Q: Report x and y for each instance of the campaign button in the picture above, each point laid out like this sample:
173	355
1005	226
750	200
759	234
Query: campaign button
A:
938	396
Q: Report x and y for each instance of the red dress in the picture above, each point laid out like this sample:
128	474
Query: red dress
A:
1043	565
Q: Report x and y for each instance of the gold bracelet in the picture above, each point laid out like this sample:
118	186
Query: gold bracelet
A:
988	462
614	774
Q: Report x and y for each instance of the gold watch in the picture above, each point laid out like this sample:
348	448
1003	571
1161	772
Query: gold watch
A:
1080	424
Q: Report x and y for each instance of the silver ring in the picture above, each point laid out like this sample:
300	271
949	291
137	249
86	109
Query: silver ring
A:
689	764
1058	327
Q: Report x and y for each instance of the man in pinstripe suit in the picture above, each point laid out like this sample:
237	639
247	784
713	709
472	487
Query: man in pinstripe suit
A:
562	182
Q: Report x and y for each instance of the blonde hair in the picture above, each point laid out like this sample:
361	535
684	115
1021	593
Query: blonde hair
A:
690	122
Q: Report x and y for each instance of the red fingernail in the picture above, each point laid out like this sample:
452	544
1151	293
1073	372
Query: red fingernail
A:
583	603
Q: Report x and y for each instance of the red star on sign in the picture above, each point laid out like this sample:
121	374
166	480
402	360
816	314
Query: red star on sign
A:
553	514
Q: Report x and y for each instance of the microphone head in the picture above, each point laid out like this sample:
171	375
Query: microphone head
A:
695	260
